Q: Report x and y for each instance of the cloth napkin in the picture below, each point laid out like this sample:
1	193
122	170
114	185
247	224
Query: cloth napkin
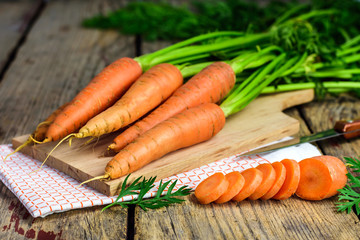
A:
50	191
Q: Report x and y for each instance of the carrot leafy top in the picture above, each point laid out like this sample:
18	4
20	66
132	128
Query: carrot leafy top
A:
141	186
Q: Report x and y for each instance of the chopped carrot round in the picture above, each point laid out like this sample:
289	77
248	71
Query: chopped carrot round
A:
280	172
236	183
321	177
268	180
291	180
253	178
211	188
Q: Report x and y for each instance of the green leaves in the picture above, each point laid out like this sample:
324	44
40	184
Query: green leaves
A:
349	198
141	186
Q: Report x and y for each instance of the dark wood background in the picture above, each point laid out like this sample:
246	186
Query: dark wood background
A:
46	58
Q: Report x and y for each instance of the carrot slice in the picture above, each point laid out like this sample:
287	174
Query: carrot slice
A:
280	171
236	183
291	180
253	178
268	180
211	188
320	177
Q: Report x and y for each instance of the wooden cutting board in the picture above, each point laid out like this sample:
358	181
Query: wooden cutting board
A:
261	122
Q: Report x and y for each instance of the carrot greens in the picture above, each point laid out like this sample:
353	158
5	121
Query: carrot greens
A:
349	197
141	186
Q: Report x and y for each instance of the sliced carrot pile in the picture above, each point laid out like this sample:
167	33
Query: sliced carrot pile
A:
253	178
211	188
236	183
280	172
269	176
321	177
291	180
313	178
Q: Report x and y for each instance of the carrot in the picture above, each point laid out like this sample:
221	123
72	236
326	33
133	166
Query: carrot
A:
210	85
41	129
253	178
268	180
291	180
236	183
152	88
280	174
321	177
39	134
187	128
99	94
211	188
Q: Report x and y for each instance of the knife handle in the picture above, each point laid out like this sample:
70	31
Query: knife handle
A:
348	126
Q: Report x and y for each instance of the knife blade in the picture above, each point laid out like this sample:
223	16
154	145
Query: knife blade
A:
346	128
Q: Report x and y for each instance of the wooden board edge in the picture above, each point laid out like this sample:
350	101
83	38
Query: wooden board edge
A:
32	151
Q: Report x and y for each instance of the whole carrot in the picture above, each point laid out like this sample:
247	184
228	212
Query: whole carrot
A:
187	128
210	85
99	94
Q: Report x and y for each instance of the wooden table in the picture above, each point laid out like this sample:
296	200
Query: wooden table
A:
46	58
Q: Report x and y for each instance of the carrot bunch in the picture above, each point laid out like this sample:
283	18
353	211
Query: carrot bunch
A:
314	178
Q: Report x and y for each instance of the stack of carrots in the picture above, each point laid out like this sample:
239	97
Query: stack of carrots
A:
185	93
313	178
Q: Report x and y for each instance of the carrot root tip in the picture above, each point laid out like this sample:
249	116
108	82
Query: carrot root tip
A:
105	176
111	146
29	141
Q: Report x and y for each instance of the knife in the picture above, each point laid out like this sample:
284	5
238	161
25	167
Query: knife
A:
346	128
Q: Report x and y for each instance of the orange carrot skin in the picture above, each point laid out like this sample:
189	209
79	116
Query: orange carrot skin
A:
211	188
187	128
253	178
152	88
291	182
236	183
40	132
280	173
99	94
208	86
268	180
339	173
321	177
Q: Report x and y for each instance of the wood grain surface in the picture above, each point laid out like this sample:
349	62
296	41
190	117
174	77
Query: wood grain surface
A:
57	59
15	19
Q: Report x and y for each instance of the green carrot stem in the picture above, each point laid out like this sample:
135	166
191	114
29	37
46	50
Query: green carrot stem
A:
343	52
189	71
190	59
337	73
308	85
261	61
145	59
288	14
235	101
339	62
238	66
350	42
239	42
296	66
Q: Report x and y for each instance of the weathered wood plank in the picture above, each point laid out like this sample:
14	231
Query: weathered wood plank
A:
289	219
15	16
57	59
